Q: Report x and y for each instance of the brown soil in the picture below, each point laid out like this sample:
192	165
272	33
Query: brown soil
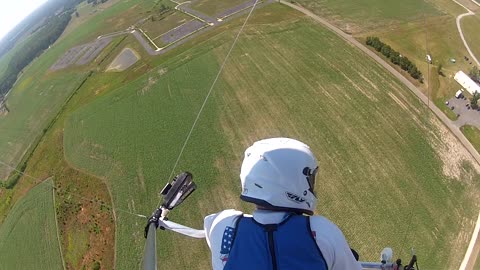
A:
82	205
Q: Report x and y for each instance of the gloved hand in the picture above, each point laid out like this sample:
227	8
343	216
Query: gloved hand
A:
154	218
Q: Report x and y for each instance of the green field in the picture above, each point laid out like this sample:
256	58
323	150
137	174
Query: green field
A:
470	26
36	99
155	29
287	77
32	105
443	43
358	16
473	135
213	8
39	94
414	28
29	234
376	143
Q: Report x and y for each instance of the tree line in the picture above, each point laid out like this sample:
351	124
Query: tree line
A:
96	2
39	41
475	74
35	21
395	57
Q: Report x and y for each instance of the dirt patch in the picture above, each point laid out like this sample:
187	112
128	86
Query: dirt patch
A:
101	89
162	71
3	111
451	152
124	60
86	224
151	82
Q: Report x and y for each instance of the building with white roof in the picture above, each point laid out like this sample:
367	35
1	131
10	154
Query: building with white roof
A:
467	83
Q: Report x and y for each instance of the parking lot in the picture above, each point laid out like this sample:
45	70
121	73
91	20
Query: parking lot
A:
466	115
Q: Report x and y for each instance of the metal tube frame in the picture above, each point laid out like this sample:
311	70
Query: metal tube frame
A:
150	256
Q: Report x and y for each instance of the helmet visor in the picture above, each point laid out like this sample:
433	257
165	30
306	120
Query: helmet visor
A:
311	175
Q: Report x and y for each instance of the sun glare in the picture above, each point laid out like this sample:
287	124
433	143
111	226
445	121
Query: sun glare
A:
14	12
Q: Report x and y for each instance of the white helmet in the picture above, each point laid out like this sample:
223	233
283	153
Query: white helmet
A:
279	173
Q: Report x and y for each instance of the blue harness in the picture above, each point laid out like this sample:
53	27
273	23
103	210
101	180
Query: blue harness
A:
287	245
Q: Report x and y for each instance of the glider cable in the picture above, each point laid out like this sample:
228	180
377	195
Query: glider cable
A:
210	92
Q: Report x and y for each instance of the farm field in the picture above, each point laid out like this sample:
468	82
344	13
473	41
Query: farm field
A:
155	29
86	12
473	135
287	77
38	94
417	28
443	43
363	15
29	233
33	103
117	17
470	26
35	100
213	8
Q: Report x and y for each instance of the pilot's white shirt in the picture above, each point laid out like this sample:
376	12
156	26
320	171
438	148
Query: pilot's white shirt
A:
328	236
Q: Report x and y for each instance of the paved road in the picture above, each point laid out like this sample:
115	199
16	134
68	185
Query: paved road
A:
144	43
114	34
473	249
459	27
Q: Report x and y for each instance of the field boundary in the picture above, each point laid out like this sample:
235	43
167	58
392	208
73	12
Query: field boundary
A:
56	227
473	242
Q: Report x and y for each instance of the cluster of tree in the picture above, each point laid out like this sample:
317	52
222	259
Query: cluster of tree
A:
474	101
395	57
35	21
475	74
163	8
39	41
96	2
440	70
161	13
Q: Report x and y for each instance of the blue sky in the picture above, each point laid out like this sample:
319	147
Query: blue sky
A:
13	12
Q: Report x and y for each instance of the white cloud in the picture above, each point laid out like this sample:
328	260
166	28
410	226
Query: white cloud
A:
13	12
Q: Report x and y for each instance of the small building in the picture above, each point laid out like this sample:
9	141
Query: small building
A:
467	83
